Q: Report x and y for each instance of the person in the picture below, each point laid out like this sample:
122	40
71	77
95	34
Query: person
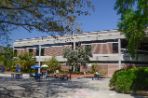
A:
96	76
2	69
45	74
57	71
37	76
18	74
18	69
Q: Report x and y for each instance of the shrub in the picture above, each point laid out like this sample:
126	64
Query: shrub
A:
53	64
94	68
128	80
141	81
98	68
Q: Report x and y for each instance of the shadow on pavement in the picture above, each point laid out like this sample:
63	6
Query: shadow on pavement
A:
43	89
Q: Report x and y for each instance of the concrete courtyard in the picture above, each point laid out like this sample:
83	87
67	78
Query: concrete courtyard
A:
53	88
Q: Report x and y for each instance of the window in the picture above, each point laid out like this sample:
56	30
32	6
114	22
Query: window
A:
15	52
30	51
115	47
124	43
78	44
42	52
37	52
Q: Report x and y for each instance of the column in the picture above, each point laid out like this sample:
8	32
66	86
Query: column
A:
74	45
39	60
13	50
74	42
119	53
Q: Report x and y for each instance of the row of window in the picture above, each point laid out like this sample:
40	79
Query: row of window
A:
31	51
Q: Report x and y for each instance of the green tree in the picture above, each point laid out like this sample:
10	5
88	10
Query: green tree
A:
134	21
42	15
72	58
25	60
1	59
53	64
6	57
84	53
79	56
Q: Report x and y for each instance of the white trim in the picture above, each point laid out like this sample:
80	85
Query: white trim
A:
119	53
98	43
80	37
19	48
30	48
105	54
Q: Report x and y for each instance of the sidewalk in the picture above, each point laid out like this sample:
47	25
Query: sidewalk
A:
54	88
95	89
8	75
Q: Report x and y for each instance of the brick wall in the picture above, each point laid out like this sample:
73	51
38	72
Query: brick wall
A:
34	52
24	50
111	69
21	51
54	51
106	70
58	51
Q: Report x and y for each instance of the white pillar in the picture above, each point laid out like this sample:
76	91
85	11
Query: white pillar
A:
74	42
74	45
39	60
119	53
13	49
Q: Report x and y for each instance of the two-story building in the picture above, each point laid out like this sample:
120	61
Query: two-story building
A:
109	49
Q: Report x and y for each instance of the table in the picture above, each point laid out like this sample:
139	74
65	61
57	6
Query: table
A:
16	75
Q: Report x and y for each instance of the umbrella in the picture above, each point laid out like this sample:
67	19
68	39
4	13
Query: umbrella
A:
44	66
35	66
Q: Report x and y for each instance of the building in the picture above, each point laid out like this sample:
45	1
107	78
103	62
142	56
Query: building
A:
108	49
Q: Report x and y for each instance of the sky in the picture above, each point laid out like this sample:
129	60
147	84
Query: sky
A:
104	17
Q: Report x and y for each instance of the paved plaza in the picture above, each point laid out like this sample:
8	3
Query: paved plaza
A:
53	88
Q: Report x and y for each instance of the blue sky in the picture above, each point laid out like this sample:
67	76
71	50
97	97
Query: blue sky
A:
103	18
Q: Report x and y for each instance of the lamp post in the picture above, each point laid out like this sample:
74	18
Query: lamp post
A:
39	60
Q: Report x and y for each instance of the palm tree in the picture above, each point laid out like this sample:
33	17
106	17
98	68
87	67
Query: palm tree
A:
6	57
25	60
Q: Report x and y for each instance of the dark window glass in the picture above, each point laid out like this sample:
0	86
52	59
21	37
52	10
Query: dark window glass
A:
42	52
78	44
37	52
15	52
115	47
30	51
124	43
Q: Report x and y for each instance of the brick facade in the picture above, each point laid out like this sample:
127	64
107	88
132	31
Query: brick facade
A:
21	51
106	48
58	50
53	51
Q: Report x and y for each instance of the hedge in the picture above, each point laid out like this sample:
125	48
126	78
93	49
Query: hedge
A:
130	80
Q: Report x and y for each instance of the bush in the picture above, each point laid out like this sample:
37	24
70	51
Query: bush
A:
141	81
53	65
129	80
94	68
